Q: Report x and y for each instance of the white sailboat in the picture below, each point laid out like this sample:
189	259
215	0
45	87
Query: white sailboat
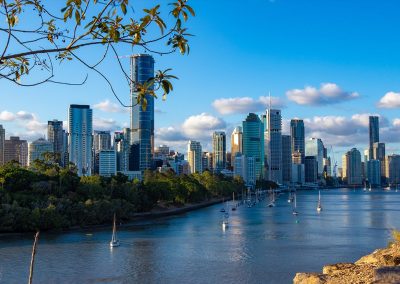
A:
114	241
272	203
365	186
295	206
370	187
319	206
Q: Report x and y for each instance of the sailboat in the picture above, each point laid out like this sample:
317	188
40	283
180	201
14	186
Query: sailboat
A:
233	202
223	208
224	224
289	197
370	187
114	241
365	186
272	203
319	206
295	206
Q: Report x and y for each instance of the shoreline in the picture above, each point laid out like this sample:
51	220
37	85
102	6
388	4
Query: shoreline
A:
151	215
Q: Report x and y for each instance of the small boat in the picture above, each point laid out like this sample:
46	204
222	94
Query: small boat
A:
370	187
224	224
319	206
365	186
295	206
272	203
114	241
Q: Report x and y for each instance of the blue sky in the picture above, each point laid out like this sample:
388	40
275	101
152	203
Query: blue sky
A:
329	62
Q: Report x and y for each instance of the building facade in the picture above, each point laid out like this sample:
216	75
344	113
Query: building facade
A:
195	158
142	119
373	134
55	135
253	142
219	151
393	169
245	168
374	172
272	121
351	164
16	150
298	138
310	169
2	141
315	147
80	128
236	143
107	162
286	159
38	148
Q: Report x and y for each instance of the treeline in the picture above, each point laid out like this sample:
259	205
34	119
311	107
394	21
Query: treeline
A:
49	197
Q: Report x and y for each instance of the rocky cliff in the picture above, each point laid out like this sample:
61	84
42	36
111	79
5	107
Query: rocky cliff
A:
382	266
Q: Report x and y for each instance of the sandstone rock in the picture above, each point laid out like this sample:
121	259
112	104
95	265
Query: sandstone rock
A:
309	278
336	268
387	275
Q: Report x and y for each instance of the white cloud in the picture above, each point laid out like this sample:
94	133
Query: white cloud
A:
390	100
328	93
105	124
245	104
108	106
7	116
198	126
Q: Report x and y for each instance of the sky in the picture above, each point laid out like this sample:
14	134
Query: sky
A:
330	62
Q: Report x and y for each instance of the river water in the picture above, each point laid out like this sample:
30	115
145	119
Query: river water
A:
261	244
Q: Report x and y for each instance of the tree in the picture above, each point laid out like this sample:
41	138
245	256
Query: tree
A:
36	33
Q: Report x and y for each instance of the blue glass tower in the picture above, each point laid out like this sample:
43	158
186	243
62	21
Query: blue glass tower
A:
253	142
142	121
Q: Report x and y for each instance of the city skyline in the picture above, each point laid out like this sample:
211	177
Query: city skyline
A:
329	83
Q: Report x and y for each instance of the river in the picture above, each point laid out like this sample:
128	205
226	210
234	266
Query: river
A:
261	244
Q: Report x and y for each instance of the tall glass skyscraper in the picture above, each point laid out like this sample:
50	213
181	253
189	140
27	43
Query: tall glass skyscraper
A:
142	121
272	121
80	128
195	157
236	143
55	134
286	159
315	147
219	151
373	134
297	134
253	142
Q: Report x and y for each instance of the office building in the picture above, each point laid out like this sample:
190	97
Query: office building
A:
393	169
142	119
286	159
37	150
236	143
2	141
56	135
351	163
310	169
378	152
298	174
107	162
16	150
272	121
315	147
253	142
245	168
127	154
80	128
297	134
207	161
101	140
373	134
374	172
195	158
219	151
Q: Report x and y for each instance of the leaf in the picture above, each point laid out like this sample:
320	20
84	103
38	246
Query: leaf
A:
123	8
77	17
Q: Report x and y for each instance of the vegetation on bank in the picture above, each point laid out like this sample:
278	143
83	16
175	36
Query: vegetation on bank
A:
49	197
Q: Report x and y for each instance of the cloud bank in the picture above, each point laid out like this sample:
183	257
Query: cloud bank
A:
244	105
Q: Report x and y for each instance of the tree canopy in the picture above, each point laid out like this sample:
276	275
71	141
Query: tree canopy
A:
37	33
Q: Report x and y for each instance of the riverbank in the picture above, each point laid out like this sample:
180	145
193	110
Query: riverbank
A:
382	266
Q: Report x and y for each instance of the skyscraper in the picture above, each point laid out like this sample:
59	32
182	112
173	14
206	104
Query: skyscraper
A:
16	150
253	142
80	142
195	157
374	172
379	153
236	143
286	159
142	120
373	134
107	162
351	163
315	147
124	151
310	169
101	141
55	135
38	148
272	121
297	134
393	169
219	151
2	140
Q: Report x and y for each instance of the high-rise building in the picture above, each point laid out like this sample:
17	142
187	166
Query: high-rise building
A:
142	118
38	148
351	163
207	161
101	141
311	169
373	134
286	159
393	169
236	143
127	154
195	159
55	135
272	121
378	152
80	128
244	167
219	151
315	147
16	150
374	172
2	140
297	134
253	142
107	162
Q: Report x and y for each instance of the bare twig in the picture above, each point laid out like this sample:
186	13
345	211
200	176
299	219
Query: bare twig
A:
33	258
